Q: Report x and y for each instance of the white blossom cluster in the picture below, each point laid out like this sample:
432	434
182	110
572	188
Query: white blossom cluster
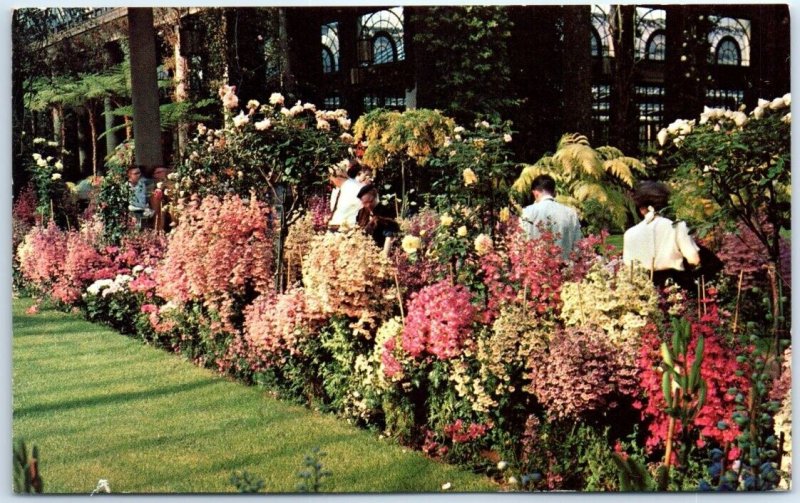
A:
721	117
105	287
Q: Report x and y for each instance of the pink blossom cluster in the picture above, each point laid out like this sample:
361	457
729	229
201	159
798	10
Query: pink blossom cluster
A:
41	254
274	325
414	272
82	265
219	251
742	251
579	374
391	365
461	432
439	321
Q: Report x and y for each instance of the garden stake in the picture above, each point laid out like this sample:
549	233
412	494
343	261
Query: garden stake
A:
738	298
703	283
399	299
699	315
671	430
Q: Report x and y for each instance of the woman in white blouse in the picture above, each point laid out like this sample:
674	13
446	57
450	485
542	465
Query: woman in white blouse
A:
657	243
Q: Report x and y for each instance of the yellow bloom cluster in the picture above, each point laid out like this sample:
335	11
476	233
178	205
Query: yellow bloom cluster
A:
471	388
620	303
514	336
346	274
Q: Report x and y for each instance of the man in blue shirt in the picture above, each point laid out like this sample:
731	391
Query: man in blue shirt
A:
545	214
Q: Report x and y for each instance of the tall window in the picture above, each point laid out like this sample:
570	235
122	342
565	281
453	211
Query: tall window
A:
601	108
651	114
730	41
330	48
602	29
375	100
650	28
381	37
724	98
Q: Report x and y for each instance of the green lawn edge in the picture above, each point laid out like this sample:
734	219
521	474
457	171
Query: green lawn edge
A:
100	405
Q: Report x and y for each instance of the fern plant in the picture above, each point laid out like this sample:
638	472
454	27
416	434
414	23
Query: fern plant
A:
594	181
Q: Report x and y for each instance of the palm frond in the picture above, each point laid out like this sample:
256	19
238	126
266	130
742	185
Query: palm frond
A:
620	170
578	160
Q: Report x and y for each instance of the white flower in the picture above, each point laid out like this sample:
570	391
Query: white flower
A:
458	129
502	465
462	231
49	158
344	122
787	118
310	106
507	138
512	480
758	112
662	137
201	129
787	99
346	137
777	104
762	103
276	99
137	269
52	144
485	124
446	486
323	125
241	119
297	109
285	111
411	244
239	174
263	125
41	163
59	165
483	244
739	118
38	140
683	58
253	104
56	176
446	220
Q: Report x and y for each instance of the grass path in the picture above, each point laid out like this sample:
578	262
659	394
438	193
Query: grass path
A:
102	406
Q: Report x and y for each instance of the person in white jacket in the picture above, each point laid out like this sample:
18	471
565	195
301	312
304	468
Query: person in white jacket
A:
657	243
344	197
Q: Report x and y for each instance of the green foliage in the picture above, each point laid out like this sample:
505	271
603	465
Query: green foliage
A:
313	475
742	163
246	483
27	478
593	181
114	193
473	170
467	87
54	201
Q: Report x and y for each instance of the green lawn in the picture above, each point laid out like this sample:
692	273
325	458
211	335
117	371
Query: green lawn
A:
102	406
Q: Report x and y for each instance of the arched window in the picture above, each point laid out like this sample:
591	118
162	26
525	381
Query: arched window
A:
728	52
383	49
650	29
596	44
383	31
330	48
729	41
656	47
600	26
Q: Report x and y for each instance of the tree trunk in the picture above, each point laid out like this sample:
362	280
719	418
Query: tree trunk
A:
287	78
111	138
93	130
144	88
624	132
181	90
577	69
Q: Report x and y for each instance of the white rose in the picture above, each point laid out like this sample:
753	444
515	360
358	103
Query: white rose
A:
763	103
59	165
662	137
787	99
507	138
41	163
37	156
241	119
787	118
276	99
56	176
739	118
263	125
777	104
758	112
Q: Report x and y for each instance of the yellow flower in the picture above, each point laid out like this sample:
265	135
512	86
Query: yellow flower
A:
470	177
411	244
462	231
504	215
446	220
